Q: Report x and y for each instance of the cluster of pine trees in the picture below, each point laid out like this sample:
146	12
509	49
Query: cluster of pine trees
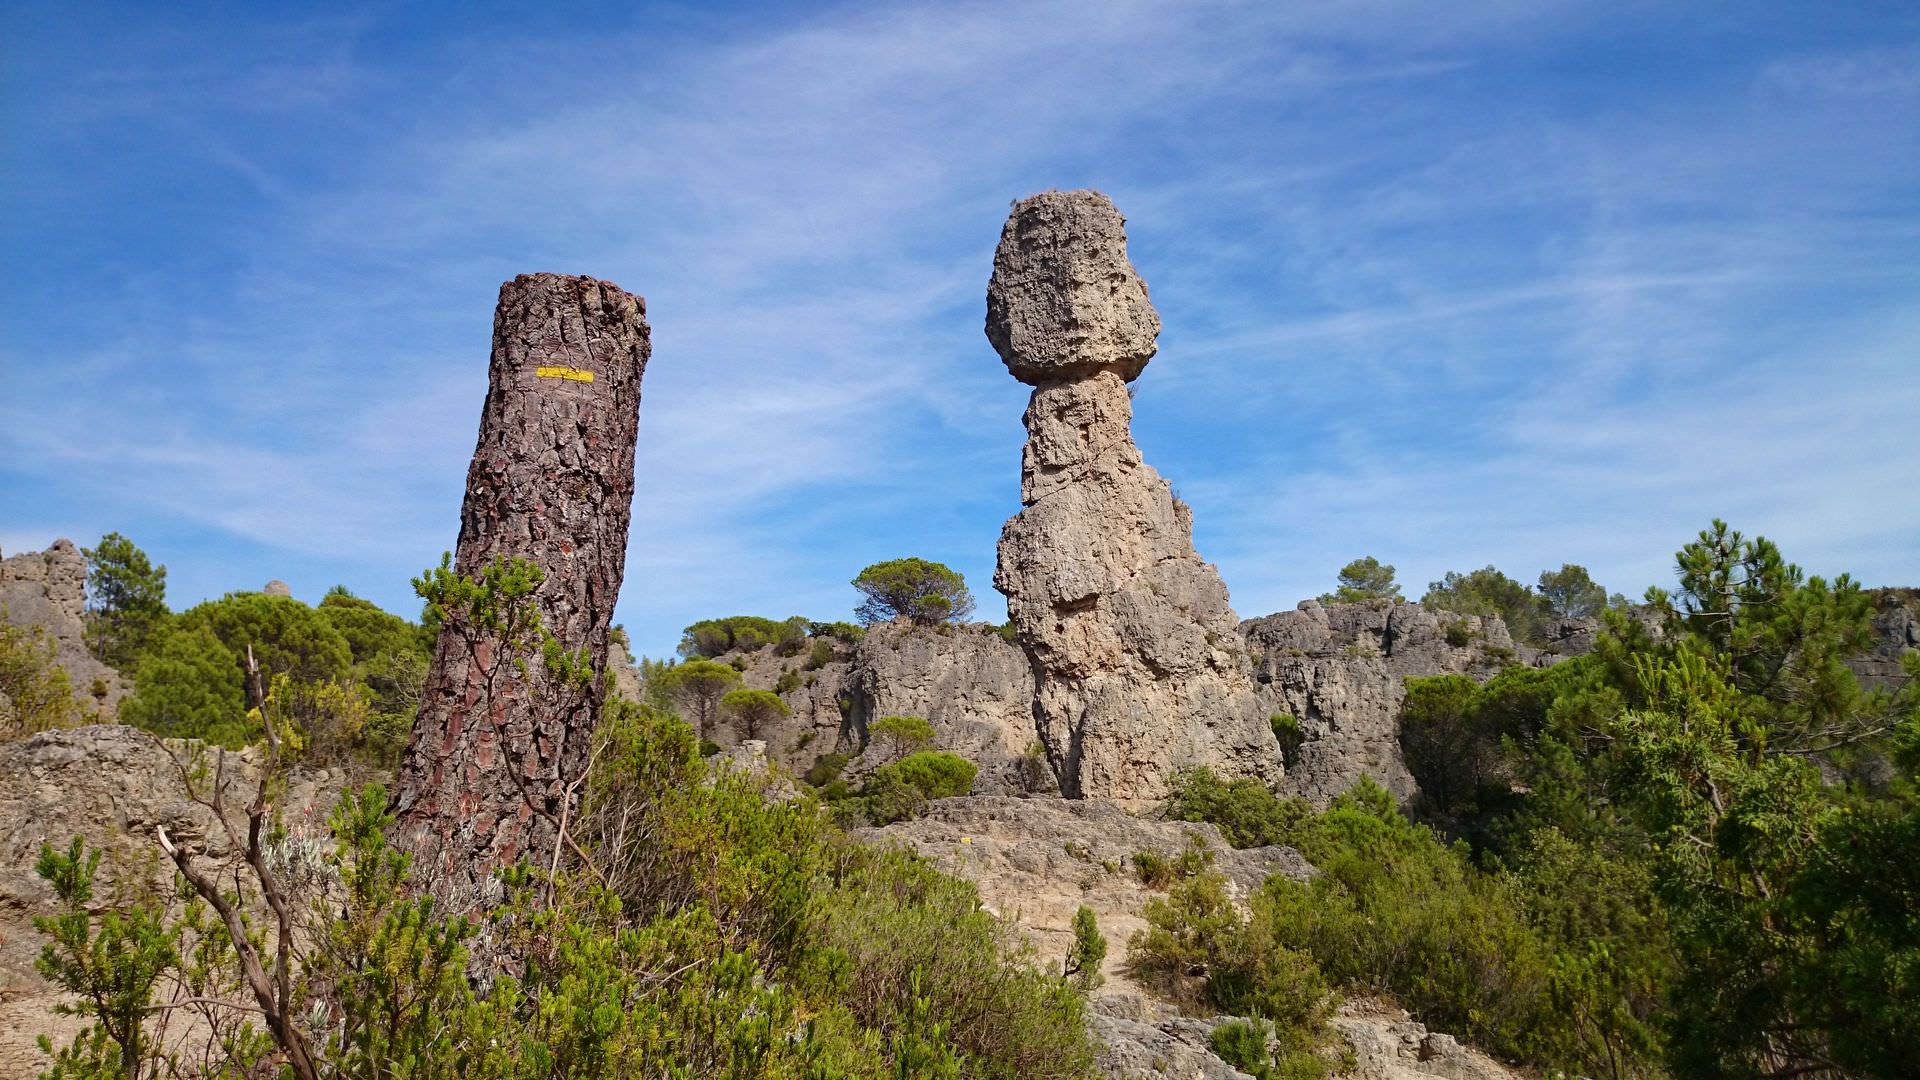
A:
1689	853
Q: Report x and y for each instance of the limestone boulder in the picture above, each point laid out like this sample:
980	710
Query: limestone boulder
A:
1065	302
1340	671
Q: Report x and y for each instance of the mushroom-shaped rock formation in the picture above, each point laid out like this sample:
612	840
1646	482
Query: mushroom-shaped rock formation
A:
1138	667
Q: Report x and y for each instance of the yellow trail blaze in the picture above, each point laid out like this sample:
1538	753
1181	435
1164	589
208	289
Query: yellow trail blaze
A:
571	374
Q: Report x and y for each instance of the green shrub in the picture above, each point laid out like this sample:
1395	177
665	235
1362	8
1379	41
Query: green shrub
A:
126	601
753	709
901	735
35	694
788	682
820	655
1154	869
1087	953
709	638
939	774
903	789
826	769
922	592
1393	910
717	934
1245	810
1286	728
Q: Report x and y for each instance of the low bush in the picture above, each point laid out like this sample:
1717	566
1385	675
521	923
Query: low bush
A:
35	694
717	934
1528	963
826	769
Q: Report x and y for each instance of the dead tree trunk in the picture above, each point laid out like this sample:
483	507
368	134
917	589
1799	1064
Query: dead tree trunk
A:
492	767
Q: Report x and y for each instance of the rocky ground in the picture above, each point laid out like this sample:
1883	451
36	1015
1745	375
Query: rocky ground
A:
1037	861
113	785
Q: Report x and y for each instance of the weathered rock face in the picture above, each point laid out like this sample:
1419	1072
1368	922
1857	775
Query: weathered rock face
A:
48	589
1896	632
1036	861
1340	670
1064	302
552	482
113	785
970	683
1138	669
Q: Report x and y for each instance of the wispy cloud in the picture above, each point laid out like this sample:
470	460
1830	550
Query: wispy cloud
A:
1430	286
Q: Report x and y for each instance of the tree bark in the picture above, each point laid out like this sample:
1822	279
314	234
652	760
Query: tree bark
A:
490	771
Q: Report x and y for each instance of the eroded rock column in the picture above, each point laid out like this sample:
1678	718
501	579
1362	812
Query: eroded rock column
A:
1138	667
487	773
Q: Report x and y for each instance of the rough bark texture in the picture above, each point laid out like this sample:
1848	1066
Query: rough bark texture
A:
552	482
1139	670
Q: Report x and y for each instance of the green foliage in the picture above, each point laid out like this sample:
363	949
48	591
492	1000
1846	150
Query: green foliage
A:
1261	1049
345	675
901	735
1396	911
1199	949
1365	578
370	632
896	791
1154	869
286	636
111	963
1488	592
1451	744
1671	858
190	687
126	600
35	694
1087	953
787	683
697	686
826	769
845	633
1286	729
871	940
716	934
710	637
922	592
938	774
820	654
1248	814
1571	593
753	709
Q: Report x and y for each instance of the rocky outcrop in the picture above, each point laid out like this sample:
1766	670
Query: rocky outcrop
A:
1896	632
972	684
1340	669
498	748
1037	861
48	589
1138	671
968	681
114	786
1388	1044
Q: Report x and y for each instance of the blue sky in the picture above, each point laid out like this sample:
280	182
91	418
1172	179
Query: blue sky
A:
1448	284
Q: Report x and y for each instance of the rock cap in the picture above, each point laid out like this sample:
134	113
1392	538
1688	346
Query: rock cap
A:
1064	302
